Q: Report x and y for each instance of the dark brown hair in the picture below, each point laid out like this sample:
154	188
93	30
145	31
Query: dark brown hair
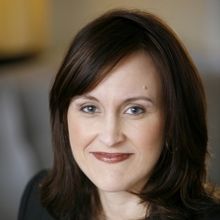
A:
175	189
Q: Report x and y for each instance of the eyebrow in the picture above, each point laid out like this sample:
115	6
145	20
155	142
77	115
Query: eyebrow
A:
85	97
132	99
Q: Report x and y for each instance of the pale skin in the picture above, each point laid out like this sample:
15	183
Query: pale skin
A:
121	115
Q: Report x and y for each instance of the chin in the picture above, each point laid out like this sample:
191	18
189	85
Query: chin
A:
113	186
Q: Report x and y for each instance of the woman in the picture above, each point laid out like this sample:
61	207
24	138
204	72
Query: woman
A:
128	115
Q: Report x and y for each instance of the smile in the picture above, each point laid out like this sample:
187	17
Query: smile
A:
111	157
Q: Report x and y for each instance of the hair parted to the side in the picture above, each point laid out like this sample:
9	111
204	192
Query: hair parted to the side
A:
176	188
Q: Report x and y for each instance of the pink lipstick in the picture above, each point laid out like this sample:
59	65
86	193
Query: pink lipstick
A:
111	157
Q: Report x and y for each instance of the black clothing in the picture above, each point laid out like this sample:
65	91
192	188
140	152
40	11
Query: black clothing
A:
32	209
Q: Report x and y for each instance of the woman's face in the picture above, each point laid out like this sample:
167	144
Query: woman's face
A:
116	130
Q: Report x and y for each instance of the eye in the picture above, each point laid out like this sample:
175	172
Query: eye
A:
91	109
135	110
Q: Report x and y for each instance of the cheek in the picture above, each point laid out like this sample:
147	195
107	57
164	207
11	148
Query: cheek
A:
80	132
75	131
78	136
148	137
149	132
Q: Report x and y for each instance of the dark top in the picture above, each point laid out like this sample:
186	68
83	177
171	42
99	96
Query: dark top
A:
32	209
30	206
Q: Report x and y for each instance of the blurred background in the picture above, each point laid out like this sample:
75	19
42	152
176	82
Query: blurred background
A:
34	35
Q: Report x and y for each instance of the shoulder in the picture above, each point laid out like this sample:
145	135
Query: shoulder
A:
30	206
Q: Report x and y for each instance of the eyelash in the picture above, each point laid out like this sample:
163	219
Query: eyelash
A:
92	109
85	109
139	110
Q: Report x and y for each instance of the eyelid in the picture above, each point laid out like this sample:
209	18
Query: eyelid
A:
142	108
85	109
85	105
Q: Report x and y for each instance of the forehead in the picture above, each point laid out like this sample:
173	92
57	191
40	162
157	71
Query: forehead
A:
135	74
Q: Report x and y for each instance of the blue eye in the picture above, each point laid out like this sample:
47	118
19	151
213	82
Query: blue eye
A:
89	109
135	110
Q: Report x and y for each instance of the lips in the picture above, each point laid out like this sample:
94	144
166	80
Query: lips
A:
111	157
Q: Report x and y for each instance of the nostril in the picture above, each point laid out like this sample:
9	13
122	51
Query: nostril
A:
111	139
111	133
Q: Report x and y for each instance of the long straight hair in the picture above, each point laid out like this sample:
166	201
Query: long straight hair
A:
175	189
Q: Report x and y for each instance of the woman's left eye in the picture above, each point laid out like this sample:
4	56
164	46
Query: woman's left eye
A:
135	110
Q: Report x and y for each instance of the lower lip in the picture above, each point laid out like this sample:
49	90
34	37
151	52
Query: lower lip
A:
111	157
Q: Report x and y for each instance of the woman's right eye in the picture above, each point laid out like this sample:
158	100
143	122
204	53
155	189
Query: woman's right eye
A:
91	109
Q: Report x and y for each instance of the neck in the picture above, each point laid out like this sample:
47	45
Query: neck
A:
122	206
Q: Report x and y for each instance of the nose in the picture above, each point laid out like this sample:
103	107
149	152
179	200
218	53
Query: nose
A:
111	133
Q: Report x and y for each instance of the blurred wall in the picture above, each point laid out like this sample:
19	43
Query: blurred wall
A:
196	22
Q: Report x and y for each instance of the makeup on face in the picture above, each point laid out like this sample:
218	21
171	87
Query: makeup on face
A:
116	130
111	157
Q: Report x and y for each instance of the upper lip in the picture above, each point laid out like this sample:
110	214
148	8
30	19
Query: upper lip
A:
109	153
111	157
